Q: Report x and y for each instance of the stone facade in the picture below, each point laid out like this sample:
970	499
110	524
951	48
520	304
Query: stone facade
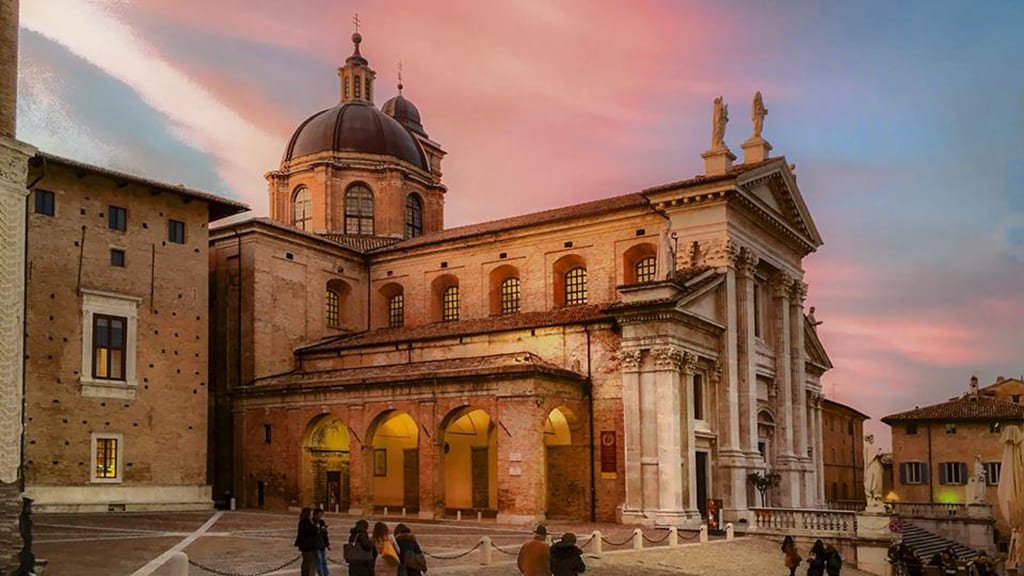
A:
154	403
843	438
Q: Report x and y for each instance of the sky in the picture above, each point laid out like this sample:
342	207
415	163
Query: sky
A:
905	121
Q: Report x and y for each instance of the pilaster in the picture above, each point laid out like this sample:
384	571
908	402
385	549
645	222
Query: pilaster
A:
797	292
732	461
788	460
630	366
746	264
667	364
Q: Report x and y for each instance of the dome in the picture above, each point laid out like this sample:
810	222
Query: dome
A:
402	109
355	126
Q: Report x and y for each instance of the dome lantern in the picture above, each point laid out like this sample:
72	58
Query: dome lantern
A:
356	76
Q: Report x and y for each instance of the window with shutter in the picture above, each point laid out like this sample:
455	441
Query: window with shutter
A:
903	472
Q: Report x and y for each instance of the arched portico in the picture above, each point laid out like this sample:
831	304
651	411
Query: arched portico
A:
565	466
469	460
393	461
325	464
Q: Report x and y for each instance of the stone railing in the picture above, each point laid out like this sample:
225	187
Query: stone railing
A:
846	505
796	521
929	510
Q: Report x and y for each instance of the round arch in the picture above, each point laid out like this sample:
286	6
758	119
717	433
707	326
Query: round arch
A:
326	449
393	439
565	465
469	457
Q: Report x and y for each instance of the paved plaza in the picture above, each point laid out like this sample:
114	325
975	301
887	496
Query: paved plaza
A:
257	542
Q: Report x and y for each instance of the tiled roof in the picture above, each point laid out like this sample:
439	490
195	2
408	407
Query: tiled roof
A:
968	407
264	221
361	242
219	207
473	366
844	407
524	320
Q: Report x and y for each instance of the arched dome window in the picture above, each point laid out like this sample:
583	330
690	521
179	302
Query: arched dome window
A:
358	210
302	209
413	216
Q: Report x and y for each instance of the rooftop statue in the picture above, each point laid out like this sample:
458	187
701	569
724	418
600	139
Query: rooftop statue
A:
757	114
719	120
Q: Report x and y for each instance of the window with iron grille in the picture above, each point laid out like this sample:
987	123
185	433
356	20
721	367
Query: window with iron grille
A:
359	210
450	304
302	208
396	311
576	286
108	347
106	458
117	219
646	269
510	295
413	216
331	308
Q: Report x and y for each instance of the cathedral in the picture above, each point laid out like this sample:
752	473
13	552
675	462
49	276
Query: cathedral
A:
631	359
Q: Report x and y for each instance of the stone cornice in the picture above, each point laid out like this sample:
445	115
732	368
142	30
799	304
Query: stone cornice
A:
349	161
778	227
14	157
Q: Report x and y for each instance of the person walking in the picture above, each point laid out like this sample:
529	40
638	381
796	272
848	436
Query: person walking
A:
360	553
306	542
534	556
567	557
982	566
387	550
323	542
791	558
833	561
414	562
816	559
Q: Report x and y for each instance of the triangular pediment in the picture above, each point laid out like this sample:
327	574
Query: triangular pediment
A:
772	189
813	347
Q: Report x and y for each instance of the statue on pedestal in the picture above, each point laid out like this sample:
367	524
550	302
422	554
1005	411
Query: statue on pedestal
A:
872	475
977	482
757	114
718	122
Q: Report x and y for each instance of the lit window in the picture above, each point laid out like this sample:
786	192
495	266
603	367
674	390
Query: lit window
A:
358	87
995	427
698	397
106	458
413	216
108	347
646	269
302	208
913	473
117	258
576	287
358	206
510	295
952	473
117	219
396	311
331	308
45	202
450	304
950	428
347	91
992	472
176	231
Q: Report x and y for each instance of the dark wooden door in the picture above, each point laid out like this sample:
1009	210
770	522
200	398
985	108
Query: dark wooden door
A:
701	464
481	477
411	478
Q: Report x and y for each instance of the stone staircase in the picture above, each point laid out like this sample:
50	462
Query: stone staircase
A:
926	544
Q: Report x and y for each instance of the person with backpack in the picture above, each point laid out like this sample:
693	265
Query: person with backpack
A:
360	552
833	561
387	561
413	560
567	557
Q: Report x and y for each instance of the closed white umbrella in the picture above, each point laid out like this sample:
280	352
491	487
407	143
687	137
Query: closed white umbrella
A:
1011	490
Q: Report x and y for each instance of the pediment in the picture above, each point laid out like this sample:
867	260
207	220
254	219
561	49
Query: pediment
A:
772	190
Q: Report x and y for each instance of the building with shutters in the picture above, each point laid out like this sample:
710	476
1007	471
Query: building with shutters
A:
842	432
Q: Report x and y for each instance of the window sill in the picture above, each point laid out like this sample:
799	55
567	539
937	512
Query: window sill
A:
121	389
106	481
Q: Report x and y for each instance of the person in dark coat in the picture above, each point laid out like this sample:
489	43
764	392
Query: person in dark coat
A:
816	560
566	557
833	561
323	542
413	561
306	542
359	536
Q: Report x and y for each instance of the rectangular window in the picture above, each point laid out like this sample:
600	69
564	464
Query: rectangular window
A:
995	427
45	203
912	428
396	311
107	465
267	433
952	473
1015	398
646	269
698	396
450	304
992	472
758	292
576	287
332	308
176	231
117	219
950	428
913	473
117	257
510	296
762	448
108	347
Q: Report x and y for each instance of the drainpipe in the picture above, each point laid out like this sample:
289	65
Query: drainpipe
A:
590	402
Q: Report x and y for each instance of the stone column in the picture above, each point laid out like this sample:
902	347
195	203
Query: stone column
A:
789	487
630	362
14	158
689	464
667	363
732	461
820	460
746	264
798	358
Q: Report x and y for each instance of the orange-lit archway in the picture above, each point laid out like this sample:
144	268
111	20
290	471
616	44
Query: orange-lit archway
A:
470	461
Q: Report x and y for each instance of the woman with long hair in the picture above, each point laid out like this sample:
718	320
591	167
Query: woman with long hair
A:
791	558
387	550
306	541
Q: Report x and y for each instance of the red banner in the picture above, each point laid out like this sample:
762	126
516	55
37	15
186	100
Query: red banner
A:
609	454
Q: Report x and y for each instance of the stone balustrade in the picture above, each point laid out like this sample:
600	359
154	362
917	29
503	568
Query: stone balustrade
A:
800	521
929	510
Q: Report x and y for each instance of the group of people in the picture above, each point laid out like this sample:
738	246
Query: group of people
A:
563	558
947	560
824	560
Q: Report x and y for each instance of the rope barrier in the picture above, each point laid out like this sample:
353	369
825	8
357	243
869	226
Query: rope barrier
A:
585	542
623	543
690	537
225	573
456	556
652	541
515	553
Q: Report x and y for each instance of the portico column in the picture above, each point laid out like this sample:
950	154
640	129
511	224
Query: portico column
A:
630	362
689	463
732	461
819	459
746	264
790	485
799	391
667	363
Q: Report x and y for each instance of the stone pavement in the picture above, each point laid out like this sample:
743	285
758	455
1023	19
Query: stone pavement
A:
247	542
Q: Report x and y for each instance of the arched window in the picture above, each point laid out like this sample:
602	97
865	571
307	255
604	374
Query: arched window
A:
646	268
450	304
359	87
332	307
413	216
576	286
396	310
348	91
510	295
302	208
358	210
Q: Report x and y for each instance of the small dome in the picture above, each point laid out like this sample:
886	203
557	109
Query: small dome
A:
356	126
402	109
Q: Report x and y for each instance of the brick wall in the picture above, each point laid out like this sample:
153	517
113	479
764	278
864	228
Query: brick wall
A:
9	69
10	541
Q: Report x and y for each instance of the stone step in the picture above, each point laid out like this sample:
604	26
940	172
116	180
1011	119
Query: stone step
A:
926	544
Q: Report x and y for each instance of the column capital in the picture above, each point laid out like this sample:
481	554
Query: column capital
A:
781	284
746	261
798	292
689	365
715	375
667	357
630	360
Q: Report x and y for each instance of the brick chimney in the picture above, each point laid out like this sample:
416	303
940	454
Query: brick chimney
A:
8	66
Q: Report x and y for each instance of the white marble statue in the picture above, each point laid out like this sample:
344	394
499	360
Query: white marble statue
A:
977	482
872	474
718	122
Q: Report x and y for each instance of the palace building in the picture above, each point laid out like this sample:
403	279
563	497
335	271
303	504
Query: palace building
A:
626	359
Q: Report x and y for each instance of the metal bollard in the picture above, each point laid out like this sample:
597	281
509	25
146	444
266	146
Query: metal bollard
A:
598	543
673	536
178	564
638	539
488	551
703	533
730	534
